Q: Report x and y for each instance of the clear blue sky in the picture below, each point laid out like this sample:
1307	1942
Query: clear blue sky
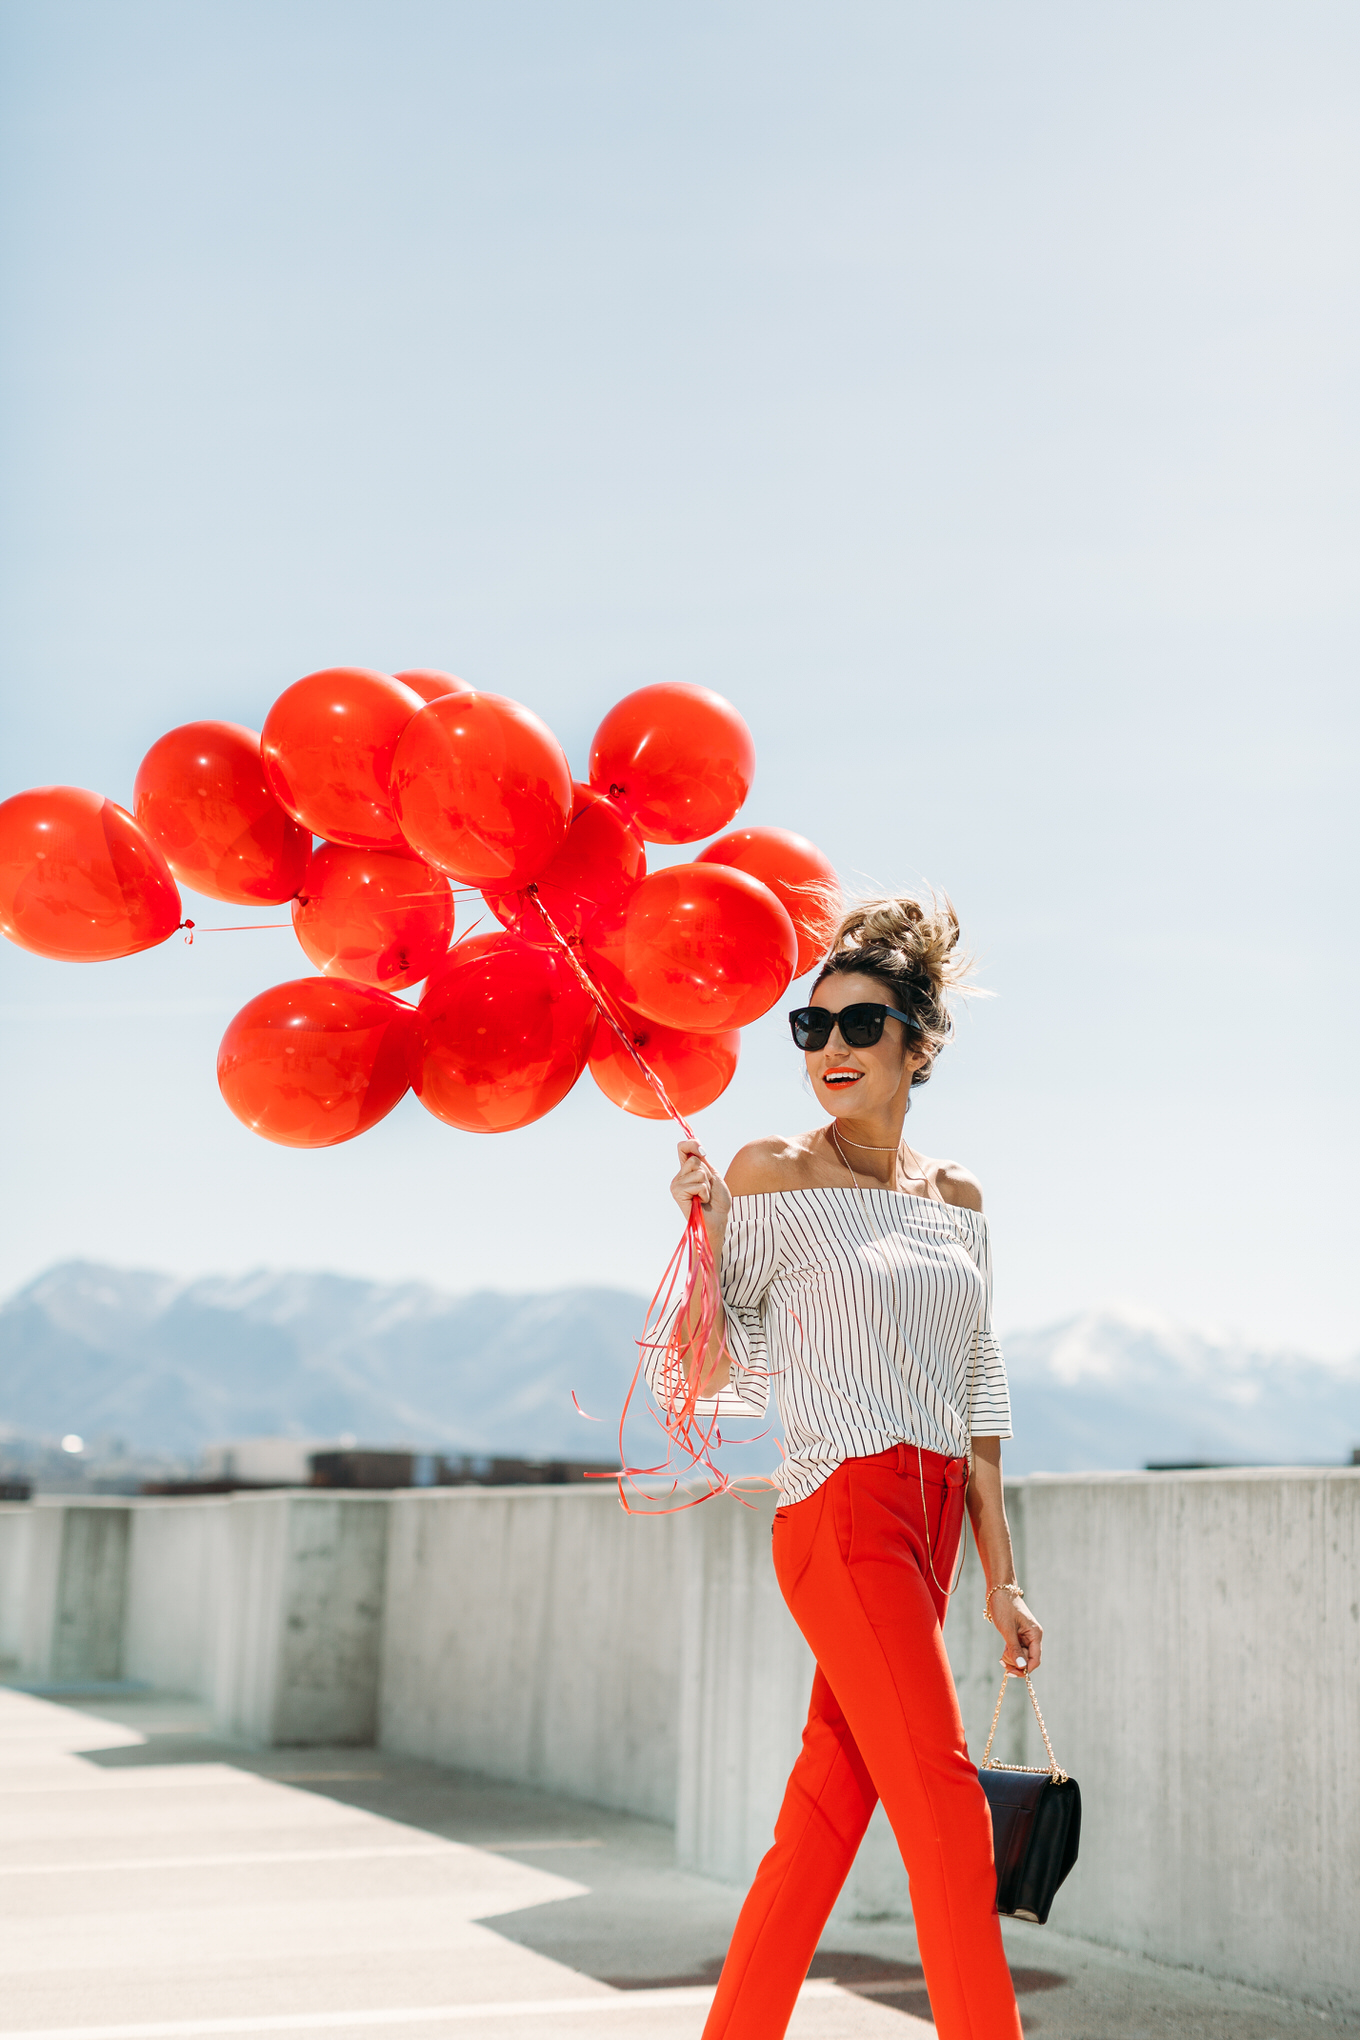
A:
969	393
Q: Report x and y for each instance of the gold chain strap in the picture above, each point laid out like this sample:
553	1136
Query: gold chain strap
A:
951	1590
1058	1775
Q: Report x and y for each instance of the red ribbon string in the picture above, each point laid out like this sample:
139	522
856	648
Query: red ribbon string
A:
692	1270
602	1004
241	928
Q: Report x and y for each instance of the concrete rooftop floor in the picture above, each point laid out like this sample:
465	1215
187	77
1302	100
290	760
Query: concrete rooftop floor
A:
156	1883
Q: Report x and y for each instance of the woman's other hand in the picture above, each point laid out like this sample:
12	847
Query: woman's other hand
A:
696	1178
1021	1632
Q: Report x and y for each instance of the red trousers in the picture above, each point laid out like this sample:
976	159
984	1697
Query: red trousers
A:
884	1722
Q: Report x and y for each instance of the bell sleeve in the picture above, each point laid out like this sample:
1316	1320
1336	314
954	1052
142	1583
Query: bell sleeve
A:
990	1398
750	1258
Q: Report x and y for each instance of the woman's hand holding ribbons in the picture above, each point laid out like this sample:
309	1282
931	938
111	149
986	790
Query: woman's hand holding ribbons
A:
698	1178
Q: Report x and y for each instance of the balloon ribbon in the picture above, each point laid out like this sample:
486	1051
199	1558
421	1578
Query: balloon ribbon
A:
693	1314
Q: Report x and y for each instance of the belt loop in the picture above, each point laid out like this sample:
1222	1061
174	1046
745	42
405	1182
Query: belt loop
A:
901	1456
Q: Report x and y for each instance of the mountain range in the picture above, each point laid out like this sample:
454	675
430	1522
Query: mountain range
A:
170	1366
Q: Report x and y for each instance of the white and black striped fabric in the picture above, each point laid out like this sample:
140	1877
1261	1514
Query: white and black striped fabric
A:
862	1307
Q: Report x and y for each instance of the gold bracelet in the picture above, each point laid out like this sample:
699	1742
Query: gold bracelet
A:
1001	1587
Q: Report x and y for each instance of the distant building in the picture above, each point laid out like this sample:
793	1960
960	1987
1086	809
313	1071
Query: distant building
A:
263	1462
345	1463
370	1467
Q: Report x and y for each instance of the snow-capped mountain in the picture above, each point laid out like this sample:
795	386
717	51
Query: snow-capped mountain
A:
1122	1388
171	1366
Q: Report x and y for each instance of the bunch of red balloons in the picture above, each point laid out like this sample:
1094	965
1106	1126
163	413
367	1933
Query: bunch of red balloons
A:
427	793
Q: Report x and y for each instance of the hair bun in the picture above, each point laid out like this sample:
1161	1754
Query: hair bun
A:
911	947
923	937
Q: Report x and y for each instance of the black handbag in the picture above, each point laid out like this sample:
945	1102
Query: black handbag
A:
1036	1823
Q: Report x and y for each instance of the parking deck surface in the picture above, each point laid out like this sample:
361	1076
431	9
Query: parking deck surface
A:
155	1884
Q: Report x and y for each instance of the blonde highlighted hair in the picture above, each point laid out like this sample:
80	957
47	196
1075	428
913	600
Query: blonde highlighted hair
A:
911	947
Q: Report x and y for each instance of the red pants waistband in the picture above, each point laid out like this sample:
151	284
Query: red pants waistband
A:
932	1466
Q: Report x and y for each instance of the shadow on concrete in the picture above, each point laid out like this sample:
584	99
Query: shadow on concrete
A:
901	1985
643	1924
641	1917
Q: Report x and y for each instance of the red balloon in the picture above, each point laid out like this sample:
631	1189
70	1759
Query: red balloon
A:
482	789
678	759
201	794
328	744
700	947
801	879
315	1062
378	917
505	1030
596	871
429	684
695	1068
79	880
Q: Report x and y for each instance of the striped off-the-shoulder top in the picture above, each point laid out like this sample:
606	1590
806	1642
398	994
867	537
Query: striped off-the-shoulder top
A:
864	1309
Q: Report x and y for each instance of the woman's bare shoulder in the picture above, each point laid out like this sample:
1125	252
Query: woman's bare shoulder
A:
780	1163
955	1184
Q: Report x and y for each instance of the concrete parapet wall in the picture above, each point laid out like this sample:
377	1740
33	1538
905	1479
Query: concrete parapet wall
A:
176	1579
63	1577
87	1636
269	1606
298	1643
18	1582
743	1696
1202	1680
533	1634
1201	1675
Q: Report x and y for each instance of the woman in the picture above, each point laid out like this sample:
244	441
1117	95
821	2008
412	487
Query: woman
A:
857	1274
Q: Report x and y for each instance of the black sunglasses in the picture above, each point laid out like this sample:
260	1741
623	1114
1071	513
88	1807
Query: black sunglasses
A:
861	1026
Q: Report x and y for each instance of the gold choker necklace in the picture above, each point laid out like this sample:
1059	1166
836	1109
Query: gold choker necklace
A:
868	1146
919	1175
